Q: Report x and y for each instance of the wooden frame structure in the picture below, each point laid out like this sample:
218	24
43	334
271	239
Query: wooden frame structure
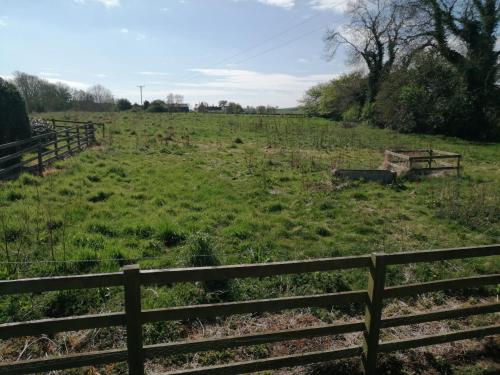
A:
422	161
134	317
35	153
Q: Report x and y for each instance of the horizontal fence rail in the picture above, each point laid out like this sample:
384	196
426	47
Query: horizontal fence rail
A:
58	142
131	279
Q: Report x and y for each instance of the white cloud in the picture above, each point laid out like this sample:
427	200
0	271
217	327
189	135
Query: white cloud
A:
279	3
7	77
101	75
74	84
334	5
302	61
124	30
49	74
287	4
140	36
106	3
3	22
154	73
250	87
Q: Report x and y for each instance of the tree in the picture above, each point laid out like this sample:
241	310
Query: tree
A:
427	97
123	105
14	120
465	34
223	105
378	33
179	99
234	108
157	106
170	99
146	104
201	107
341	98
101	97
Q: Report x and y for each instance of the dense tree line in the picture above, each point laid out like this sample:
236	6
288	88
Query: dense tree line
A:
41	95
428	66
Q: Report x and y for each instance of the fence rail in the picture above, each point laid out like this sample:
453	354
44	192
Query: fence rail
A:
35	153
134	317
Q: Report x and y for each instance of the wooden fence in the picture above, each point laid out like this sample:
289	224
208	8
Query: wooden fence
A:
37	152
422	161
134	317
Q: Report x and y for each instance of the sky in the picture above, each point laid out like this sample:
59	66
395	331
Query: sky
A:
255	52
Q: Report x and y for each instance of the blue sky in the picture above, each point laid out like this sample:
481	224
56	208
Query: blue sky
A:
250	51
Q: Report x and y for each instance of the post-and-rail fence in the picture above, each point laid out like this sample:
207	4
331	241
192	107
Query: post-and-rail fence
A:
134	317
64	139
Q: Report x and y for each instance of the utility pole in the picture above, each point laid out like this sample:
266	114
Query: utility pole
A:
140	88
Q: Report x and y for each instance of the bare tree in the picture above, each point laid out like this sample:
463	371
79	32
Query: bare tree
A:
379	33
170	99
179	99
100	94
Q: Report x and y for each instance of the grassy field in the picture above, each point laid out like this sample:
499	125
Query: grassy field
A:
169	190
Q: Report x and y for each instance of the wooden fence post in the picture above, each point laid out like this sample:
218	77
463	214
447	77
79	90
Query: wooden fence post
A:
40	159
56	146
87	136
68	140
78	138
373	313
133	317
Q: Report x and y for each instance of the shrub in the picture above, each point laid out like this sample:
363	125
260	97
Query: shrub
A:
426	98
202	253
123	105
157	106
13	117
170	234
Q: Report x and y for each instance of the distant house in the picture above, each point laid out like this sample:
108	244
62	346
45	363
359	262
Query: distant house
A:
214	109
178	107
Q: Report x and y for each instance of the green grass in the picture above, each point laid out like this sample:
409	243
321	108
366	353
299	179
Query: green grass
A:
258	188
143	194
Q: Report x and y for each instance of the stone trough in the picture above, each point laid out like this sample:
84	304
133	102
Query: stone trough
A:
378	175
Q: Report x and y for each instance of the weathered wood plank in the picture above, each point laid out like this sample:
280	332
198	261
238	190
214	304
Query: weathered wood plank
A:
38	285
251	270
17	154
434	286
63	362
275	304
419	342
432	316
373	313
433	157
442	254
450	154
273	363
50	326
177	348
395	154
10	168
133	320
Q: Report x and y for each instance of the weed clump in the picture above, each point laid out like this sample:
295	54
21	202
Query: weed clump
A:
202	253
104	229
100	197
170	234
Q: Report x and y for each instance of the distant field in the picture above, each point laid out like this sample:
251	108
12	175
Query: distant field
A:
258	189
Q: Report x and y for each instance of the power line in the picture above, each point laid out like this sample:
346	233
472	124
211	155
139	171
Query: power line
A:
256	45
268	50
281	45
